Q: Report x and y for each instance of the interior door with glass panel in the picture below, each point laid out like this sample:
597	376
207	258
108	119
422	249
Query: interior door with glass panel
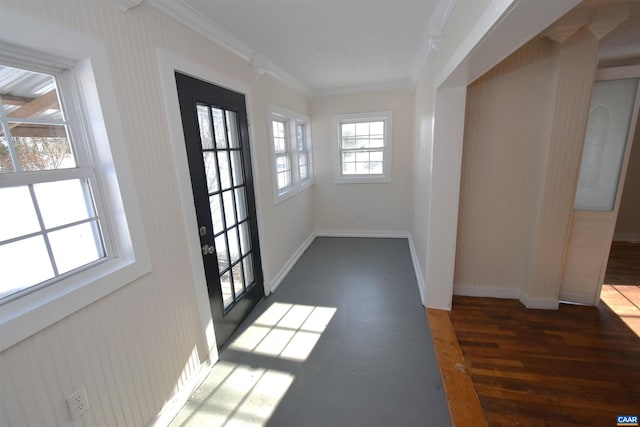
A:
216	134
612	117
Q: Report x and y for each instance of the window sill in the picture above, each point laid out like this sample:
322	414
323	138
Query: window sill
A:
362	179
289	192
31	313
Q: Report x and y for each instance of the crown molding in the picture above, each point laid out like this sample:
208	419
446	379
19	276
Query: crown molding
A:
390	85
125	5
432	37
180	11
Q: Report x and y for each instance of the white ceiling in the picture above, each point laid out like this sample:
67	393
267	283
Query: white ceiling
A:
325	46
624	41
329	43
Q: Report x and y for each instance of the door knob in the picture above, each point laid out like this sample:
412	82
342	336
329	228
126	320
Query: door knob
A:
207	249
203	230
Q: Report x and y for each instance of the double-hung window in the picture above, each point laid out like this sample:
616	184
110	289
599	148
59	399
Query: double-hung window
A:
363	147
303	150
282	150
70	226
290	136
50	225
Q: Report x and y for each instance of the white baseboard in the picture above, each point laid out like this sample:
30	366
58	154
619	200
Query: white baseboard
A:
539	303
277	280
173	406
626	237
577	298
363	233
483	291
417	270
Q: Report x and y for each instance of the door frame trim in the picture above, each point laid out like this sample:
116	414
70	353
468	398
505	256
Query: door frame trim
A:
619	73
168	64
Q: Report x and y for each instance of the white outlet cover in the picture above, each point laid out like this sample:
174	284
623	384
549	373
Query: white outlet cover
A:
78	402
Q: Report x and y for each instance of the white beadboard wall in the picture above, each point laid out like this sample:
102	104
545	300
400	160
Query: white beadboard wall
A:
464	16
505	140
577	64
524	132
628	224
134	349
362	207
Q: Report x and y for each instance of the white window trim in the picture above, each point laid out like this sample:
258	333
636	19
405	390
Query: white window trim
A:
31	313
385	177
291	119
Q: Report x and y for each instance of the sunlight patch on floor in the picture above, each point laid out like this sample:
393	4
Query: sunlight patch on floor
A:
241	395
287	331
624	300
235	395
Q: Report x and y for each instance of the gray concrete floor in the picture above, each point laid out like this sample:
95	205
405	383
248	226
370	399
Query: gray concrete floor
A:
344	341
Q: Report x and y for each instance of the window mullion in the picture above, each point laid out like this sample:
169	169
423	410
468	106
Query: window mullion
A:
44	232
7	134
293	158
36	177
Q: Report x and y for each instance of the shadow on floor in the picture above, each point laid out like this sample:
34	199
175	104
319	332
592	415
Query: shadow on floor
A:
343	342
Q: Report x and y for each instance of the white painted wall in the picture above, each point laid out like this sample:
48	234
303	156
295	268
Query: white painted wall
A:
135	349
502	168
371	208
524	132
628	224
478	36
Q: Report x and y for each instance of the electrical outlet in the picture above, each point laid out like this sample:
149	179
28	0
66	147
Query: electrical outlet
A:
78	402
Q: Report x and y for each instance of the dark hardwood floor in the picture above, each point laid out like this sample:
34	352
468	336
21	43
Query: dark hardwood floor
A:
505	365
624	264
577	366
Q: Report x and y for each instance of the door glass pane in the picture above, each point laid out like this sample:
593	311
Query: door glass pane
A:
234	249
232	129
216	213
229	215
245	238
64	202
605	143
248	270
76	246
241	203
225	283
206	134
238	280
236	166
221	251
17	215
211	171
219	128
225	173
23	264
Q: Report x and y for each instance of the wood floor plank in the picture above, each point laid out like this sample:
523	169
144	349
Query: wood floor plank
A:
631	293
464	406
574	366
623	267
